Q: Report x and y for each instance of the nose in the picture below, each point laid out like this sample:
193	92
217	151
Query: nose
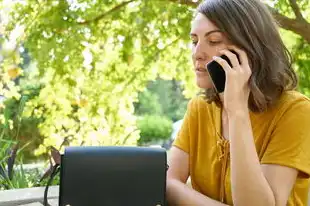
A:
199	52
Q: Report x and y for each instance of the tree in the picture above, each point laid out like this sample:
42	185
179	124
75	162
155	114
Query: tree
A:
162	97
93	57
282	11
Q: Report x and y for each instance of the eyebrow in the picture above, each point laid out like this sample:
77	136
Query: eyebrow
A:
208	33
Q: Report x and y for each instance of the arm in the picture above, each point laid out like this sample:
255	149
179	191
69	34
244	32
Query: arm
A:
246	173
251	183
178	193
263	184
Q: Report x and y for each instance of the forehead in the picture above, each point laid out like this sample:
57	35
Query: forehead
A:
201	24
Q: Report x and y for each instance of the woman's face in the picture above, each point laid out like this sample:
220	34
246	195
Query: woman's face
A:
207	41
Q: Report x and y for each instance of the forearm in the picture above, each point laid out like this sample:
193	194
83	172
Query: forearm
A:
179	193
249	185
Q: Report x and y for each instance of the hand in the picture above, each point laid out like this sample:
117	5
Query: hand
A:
236	93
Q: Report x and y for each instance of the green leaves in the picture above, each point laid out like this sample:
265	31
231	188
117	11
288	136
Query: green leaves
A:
92	58
154	128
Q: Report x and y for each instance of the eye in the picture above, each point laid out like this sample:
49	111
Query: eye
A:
194	42
214	42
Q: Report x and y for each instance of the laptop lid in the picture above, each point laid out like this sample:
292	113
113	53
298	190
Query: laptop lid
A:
113	176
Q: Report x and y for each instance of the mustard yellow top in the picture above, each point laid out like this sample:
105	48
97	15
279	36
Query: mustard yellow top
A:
281	135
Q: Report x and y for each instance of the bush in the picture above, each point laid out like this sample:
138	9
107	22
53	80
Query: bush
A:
17	127
13	175
162	97
153	128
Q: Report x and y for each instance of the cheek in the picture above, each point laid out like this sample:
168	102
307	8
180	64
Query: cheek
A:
204	82
193	52
216	50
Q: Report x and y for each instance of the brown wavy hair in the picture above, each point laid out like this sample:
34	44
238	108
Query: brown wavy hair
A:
249	25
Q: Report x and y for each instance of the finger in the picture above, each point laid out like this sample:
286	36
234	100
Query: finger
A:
243	57
232	58
227	68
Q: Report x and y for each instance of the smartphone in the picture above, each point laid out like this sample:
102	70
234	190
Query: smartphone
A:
217	73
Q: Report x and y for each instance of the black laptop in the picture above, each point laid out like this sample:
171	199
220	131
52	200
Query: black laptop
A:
113	176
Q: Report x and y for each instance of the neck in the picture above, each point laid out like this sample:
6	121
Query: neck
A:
221	95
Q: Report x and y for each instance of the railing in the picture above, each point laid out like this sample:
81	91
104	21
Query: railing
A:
29	196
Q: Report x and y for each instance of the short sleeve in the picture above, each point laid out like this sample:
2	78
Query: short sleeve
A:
289	144
182	140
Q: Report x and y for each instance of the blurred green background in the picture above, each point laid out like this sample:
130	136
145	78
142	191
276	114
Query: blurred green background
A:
106	72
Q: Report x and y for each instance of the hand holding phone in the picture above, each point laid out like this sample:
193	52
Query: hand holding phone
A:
217	73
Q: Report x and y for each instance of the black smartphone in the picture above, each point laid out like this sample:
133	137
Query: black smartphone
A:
217	73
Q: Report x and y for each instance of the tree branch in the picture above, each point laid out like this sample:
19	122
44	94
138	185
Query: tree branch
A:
153	57
296	10
101	16
186	2
299	27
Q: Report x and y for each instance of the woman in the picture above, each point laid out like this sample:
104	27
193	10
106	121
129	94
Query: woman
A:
249	145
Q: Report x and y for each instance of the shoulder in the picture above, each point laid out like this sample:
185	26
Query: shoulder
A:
293	96
293	102
292	110
199	106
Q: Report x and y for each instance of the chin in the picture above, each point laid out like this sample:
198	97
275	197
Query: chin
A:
204	84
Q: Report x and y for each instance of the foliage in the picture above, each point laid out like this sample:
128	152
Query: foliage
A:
10	175
94	57
162	97
154	128
5	174
20	177
13	175
43	183
22	129
93	69
301	53
11	122
148	103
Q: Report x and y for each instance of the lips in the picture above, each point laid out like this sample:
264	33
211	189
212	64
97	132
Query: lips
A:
200	66
200	69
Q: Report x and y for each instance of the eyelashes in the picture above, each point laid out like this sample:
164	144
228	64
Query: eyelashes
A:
212	43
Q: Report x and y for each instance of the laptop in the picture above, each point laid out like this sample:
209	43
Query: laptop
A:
113	176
